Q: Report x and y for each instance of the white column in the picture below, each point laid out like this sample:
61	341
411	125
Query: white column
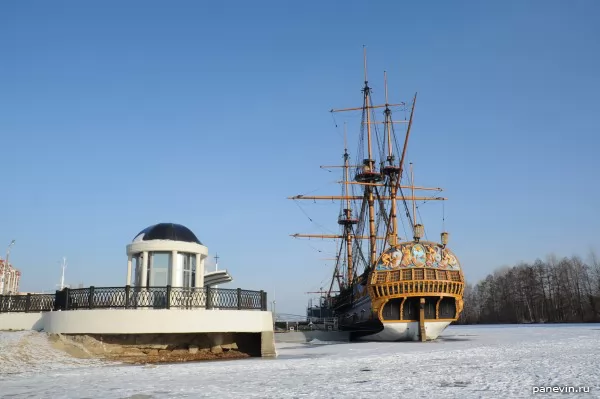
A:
144	269
199	270
129	269
197	275
175	280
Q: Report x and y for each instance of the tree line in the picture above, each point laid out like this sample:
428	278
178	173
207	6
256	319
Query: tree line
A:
556	290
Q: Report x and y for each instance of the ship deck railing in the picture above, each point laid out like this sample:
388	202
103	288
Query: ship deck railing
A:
132	297
418	287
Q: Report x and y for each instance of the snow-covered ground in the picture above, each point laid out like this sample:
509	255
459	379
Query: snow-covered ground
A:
466	362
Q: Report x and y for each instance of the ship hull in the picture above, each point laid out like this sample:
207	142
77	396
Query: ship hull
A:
364	325
408	331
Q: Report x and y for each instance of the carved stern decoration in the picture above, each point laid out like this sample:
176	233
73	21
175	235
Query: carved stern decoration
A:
411	271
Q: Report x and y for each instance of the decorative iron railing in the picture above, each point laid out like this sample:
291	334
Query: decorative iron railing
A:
26	303
129	297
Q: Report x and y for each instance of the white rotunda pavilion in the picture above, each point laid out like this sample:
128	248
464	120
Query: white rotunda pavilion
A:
166	254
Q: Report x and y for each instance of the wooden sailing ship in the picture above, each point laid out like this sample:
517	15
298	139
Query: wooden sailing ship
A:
385	287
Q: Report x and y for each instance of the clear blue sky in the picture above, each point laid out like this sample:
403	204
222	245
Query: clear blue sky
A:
117	115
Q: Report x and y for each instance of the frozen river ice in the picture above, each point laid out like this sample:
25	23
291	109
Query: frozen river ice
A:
466	362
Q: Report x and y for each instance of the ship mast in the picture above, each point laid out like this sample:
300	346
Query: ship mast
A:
401	164
369	175
391	170
346	220
366	175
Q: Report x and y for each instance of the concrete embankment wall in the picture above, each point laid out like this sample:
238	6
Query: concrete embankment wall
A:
191	331
21	321
307	336
150	321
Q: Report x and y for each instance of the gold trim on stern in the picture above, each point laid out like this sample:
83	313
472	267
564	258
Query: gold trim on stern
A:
416	282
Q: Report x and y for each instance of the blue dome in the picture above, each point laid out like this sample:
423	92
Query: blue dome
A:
167	231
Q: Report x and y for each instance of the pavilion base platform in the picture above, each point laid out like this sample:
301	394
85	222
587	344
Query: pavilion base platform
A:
151	336
162	348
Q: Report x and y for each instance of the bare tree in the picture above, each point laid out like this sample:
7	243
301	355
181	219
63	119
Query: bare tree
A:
555	290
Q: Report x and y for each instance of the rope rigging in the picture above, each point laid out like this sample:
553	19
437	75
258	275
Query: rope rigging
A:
371	188
323	228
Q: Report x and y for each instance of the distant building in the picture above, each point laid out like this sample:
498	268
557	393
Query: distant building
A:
9	279
33	293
